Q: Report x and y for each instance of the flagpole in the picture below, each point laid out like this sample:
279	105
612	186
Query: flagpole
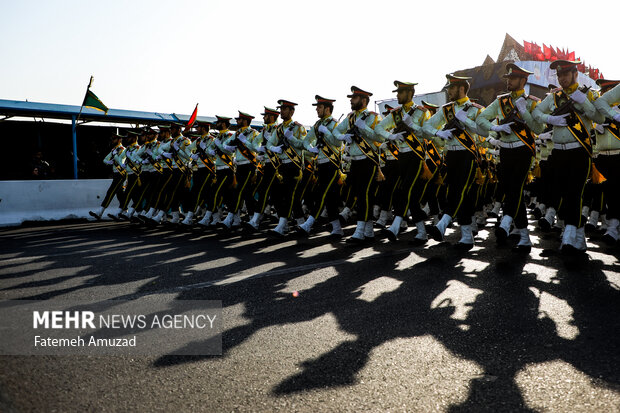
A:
82	106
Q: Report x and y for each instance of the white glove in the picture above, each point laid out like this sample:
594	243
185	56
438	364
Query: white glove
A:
461	115
242	138
167	154
578	96
558	120
158	158
145	162
445	134
276	149
545	136
493	141
211	152
617	117
345	158
260	149
217	141
502	128
521	105
288	134
346	137
150	152
108	162
360	123
203	145
323	129
600	128
493	152
407	120
175	145
396	136
383	145
229	148
314	150
195	157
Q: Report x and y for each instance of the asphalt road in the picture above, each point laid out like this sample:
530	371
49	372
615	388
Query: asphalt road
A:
381	327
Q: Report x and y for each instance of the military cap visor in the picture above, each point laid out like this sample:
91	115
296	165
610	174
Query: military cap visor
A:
283	103
563	65
429	105
117	135
513	70
131	133
455	80
203	123
403	85
270	111
359	92
606	83
164	127
243	115
323	101
222	118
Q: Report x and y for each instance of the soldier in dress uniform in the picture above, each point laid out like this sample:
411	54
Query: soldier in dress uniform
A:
225	168
321	142
608	153
288	142
203	175
148	175
357	131
517	131
119	174
133	167
454	128
402	132
241	143
570	111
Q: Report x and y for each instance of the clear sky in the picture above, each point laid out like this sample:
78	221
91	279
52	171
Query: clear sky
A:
165	56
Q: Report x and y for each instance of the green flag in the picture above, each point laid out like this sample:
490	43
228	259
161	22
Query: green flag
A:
92	101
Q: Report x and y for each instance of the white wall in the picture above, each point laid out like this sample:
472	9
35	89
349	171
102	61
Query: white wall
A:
51	200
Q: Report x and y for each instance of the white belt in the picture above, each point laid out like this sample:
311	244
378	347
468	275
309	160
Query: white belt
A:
324	160
358	157
610	152
511	144
566	146
456	148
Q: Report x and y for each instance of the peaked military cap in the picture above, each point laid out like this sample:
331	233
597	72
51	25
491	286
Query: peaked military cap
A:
222	118
321	100
243	115
428	105
605	84
452	79
270	111
512	70
282	103
204	123
134	133
118	135
357	91
163	127
564	65
388	109
403	85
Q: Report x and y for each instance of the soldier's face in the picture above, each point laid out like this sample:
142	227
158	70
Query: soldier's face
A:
404	96
514	83
453	92
286	112
357	102
320	110
567	78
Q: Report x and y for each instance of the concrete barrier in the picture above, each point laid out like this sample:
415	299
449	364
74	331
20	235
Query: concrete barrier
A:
51	200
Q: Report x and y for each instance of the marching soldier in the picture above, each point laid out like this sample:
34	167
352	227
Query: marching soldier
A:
119	174
160	189
204	170
608	158
133	168
225	169
402	132
570	111
287	141
173	153
270	166
454	128
328	149
357	131
246	161
148	174
516	128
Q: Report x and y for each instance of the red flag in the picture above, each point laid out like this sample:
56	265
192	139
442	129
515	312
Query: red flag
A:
571	56
547	51
528	47
192	119
581	67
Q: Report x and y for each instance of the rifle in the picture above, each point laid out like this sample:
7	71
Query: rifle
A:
182	167
568	106
454	123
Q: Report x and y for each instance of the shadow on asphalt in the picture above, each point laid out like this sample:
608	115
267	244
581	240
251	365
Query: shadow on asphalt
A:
503	331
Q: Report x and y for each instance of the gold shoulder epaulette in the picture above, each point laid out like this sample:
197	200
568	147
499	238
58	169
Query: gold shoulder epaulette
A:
534	98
